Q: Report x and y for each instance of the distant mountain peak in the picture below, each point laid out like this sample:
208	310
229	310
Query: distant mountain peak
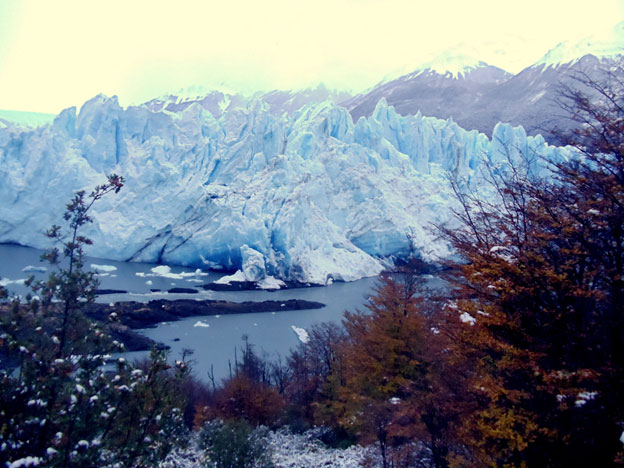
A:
452	64
605	45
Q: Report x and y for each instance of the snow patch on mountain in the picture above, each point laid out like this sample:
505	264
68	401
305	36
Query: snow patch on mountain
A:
606	45
452	63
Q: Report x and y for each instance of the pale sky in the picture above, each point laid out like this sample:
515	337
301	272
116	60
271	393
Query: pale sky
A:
55	54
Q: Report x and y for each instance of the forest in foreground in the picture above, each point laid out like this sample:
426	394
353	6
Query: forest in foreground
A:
520	365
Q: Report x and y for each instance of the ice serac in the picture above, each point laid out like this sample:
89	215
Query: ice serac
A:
310	197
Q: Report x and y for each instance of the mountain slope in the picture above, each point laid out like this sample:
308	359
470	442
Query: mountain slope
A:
450	86
478	96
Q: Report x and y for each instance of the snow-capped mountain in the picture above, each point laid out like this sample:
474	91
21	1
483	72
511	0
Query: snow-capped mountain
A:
530	97
450	86
605	46
309	197
457	65
478	96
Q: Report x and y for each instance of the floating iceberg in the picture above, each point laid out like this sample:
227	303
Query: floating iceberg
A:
301	333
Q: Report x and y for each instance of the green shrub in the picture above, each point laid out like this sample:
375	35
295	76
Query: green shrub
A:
235	444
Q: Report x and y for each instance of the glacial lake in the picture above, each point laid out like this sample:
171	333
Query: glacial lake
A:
212	338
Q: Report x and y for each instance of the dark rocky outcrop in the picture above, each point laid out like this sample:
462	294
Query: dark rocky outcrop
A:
182	291
145	315
253	286
102	292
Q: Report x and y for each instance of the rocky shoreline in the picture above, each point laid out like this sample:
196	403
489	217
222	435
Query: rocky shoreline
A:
125	317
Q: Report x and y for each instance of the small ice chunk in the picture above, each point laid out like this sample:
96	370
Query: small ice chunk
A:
239	276
165	272
6	281
31	268
201	324
270	282
106	268
301	333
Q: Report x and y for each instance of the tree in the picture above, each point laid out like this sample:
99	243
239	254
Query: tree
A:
59	406
539	306
383	390
309	366
248	395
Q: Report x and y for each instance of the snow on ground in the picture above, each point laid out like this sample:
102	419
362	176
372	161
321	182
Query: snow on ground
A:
584	397
305	451
289	451
465	317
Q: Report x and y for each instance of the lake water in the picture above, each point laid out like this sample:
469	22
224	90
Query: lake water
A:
213	338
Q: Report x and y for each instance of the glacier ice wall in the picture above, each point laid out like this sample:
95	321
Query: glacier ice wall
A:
318	196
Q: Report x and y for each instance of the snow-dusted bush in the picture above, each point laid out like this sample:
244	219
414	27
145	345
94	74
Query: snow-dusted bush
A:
235	444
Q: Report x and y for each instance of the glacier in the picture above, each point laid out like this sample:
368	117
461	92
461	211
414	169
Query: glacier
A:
310	196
